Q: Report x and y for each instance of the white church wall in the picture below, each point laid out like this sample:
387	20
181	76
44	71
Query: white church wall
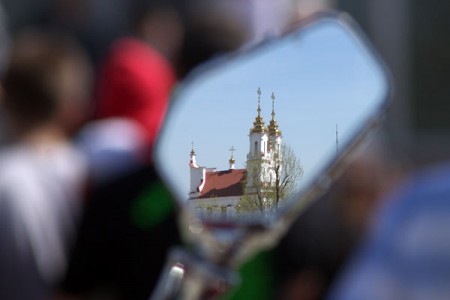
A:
217	206
197	179
258	145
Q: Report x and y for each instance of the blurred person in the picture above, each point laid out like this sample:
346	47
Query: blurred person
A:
139	72
4	42
317	245
93	23
129	222
406	253
5	45
305	8
41	173
134	84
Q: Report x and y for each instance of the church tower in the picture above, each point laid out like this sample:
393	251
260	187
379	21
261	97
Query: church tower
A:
265	150
221	191
274	133
257	159
275	139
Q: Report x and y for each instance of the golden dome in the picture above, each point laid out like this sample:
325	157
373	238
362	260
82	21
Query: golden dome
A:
258	124
273	128
232	161
273	125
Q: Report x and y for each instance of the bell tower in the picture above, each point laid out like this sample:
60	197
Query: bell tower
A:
275	139
274	132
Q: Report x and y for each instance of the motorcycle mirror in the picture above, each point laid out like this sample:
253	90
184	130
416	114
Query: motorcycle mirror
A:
256	136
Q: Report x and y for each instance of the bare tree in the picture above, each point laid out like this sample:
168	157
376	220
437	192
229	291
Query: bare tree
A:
287	171
256	199
266	195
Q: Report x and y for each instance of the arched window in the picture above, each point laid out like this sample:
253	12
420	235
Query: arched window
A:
256	149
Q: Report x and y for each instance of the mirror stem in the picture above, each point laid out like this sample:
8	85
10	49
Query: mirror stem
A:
189	277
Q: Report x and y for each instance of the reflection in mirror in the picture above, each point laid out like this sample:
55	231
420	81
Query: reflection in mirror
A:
244	139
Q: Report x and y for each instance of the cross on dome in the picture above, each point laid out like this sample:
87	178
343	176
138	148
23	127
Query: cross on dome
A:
192	150
232	161
258	124
232	151
273	125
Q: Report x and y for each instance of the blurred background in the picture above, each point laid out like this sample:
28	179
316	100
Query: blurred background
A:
413	39
409	35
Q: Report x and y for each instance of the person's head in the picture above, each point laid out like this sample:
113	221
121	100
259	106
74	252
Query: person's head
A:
160	23
212	27
47	82
189	32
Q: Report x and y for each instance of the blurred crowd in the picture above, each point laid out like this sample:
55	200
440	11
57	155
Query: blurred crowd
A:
84	89
83	214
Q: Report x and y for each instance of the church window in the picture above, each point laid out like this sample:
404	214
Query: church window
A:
256	149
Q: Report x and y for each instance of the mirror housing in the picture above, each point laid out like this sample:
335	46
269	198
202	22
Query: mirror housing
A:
320	88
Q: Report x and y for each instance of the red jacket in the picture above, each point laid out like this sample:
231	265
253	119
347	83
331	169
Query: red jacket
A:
135	82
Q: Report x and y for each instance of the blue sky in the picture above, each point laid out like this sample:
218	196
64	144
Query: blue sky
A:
322	77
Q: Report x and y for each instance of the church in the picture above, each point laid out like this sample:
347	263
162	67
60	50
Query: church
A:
215	192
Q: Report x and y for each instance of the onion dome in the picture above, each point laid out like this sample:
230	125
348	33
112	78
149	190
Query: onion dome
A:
273	125
258	124
232	161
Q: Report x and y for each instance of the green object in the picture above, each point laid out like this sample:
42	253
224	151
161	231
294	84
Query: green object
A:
152	206
257	279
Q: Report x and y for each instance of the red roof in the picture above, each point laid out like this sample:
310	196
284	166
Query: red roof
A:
223	184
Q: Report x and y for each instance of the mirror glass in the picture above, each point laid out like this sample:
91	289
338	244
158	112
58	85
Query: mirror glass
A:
243	139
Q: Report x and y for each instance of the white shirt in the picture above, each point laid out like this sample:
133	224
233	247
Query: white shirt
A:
40	191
